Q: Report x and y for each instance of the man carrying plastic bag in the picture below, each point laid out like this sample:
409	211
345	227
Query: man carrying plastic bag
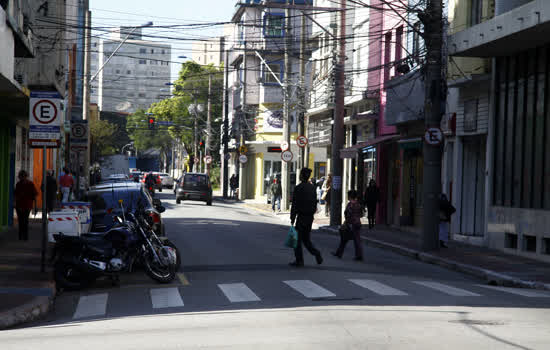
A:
304	206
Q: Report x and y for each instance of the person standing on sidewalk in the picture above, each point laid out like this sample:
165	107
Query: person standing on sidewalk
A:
446	209
233	184
353	214
66	183
25	193
372	197
327	187
276	192
304	206
51	190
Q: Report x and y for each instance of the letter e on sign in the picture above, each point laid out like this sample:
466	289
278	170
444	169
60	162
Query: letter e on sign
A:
433	136
44	112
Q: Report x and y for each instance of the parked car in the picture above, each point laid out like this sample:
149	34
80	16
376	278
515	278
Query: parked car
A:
194	186
115	178
166	180
105	205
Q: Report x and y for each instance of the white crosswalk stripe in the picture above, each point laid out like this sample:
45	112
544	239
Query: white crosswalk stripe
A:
309	289
91	305
519	291
238	292
457	292
166	297
377	287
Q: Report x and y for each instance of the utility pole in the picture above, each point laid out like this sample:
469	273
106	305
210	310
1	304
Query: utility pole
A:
225	140
433	29
242	182
208	124
338	132
285	178
195	140
303	161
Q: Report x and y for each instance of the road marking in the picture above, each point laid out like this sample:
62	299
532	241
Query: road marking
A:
184	281
519	291
238	292
91	305
166	297
457	292
377	287
309	289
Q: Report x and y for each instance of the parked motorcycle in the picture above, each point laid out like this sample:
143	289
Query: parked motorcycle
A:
79	261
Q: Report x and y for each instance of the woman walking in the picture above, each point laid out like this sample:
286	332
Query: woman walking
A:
446	209
25	193
372	197
352	227
327	187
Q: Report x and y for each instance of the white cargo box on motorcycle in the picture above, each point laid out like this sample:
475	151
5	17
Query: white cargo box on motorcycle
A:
66	222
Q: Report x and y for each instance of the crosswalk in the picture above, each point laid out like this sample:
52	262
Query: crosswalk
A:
95	305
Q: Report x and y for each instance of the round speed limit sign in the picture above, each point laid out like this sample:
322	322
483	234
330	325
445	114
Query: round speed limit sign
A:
208	159
287	156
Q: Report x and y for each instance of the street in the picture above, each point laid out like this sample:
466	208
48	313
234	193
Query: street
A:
236	291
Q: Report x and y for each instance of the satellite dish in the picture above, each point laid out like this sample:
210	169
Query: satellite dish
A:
123	106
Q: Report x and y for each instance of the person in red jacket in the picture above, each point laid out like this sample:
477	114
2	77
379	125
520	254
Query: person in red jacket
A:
25	193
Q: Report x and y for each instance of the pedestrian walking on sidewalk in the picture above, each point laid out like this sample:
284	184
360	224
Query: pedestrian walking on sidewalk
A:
351	229
51	190
446	209
233	184
327	187
276	192
372	197
66	182
304	206
25	193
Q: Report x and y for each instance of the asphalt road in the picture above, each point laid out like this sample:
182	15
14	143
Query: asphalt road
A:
235	290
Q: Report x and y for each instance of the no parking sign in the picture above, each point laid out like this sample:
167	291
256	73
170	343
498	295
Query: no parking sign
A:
44	119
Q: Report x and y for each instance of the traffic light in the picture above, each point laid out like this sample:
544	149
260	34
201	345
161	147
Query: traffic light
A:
201	143
151	123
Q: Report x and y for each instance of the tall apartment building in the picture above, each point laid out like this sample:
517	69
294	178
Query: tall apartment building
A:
209	51
136	75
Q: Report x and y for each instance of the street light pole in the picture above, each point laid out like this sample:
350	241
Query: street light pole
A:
208	124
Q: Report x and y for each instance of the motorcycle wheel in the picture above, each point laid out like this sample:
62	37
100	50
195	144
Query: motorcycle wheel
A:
160	274
68	277
169	243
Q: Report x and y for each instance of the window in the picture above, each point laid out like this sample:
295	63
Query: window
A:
162	51
142	50
476	8
274	25
128	72
153	62
142	95
398	43
152	74
277	68
387	56
142	61
211	57
117	71
152	50
131	94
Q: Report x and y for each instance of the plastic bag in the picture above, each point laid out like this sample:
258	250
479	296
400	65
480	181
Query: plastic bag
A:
291	240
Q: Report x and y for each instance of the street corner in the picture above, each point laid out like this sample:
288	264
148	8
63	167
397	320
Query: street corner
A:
23	305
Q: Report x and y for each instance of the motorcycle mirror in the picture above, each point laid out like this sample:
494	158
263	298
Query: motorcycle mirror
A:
161	209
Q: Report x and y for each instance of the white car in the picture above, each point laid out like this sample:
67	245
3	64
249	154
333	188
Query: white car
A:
166	180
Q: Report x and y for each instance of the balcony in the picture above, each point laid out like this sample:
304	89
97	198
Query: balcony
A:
516	30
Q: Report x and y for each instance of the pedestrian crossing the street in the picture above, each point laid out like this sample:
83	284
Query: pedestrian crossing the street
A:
96	305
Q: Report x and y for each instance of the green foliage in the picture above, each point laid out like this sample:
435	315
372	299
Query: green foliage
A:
103	137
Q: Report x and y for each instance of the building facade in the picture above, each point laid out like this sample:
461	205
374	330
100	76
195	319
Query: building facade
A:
134	78
211	51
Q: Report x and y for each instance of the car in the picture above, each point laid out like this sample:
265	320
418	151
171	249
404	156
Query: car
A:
166	180
158	183
135	175
105	204
116	177
194	186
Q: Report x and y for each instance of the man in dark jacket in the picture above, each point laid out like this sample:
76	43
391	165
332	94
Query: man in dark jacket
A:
51	190
276	193
304	206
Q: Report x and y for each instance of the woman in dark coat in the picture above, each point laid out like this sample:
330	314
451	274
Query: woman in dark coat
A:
25	193
372	197
351	229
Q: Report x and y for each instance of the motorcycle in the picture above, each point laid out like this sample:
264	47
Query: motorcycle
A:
79	261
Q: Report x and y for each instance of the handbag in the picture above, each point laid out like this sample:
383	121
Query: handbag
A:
345	231
291	240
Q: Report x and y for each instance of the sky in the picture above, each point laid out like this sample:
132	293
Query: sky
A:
114	13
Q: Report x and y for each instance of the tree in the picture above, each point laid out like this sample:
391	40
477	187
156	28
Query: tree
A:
102	133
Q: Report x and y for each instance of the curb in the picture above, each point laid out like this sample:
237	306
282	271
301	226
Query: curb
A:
37	308
492	277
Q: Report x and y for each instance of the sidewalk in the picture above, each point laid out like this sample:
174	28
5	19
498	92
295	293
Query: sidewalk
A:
26	294
496	267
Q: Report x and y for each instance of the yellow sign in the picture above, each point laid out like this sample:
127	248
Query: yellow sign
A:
243	149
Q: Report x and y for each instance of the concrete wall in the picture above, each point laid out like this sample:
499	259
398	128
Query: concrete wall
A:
7	47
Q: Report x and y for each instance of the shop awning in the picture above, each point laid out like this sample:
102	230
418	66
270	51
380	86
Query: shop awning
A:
351	152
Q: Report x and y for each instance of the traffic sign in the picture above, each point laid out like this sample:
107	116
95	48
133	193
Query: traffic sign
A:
287	156
243	159
208	159
302	141
243	149
197	160
79	135
433	136
284	145
44	119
